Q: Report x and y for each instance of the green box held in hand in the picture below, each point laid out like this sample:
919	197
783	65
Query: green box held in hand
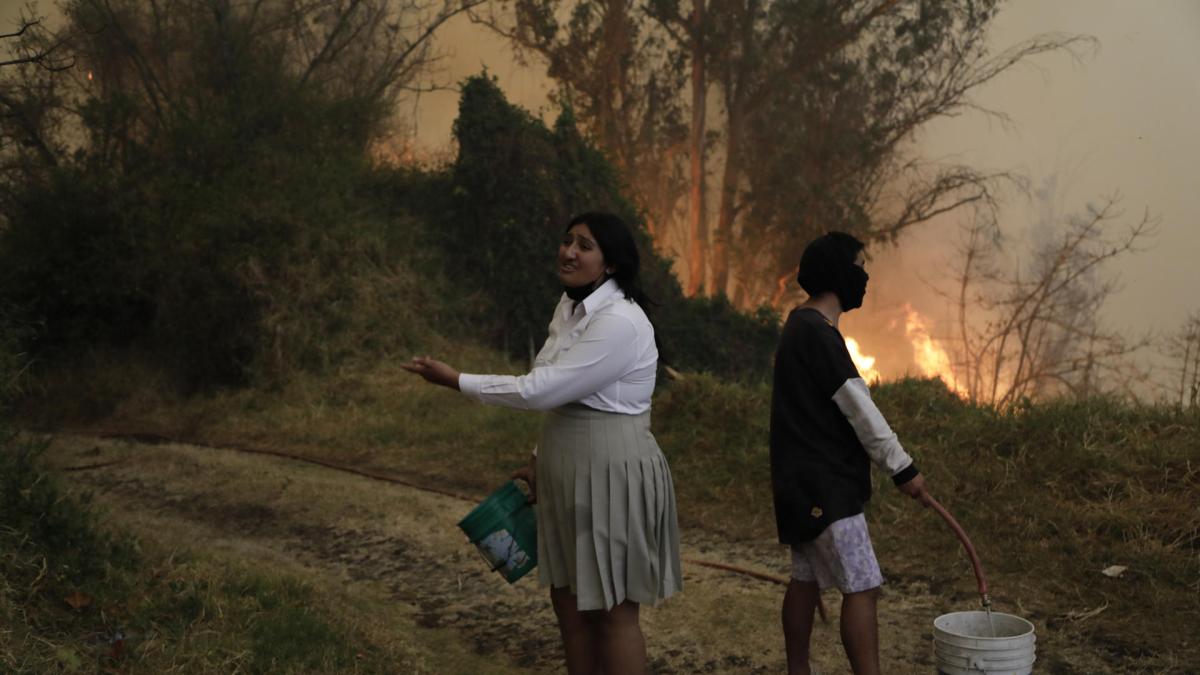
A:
504	529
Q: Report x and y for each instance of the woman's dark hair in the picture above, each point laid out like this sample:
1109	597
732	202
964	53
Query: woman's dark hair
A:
619	250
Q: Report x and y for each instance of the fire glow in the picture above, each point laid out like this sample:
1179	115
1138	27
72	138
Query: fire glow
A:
864	363
929	357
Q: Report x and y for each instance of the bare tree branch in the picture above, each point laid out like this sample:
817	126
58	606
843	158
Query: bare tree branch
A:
42	55
1037	330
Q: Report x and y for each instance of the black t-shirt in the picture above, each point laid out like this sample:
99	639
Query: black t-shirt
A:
820	471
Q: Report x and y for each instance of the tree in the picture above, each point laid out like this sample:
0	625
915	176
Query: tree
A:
1184	347
766	48
1036	330
29	46
691	35
24	101
827	98
621	80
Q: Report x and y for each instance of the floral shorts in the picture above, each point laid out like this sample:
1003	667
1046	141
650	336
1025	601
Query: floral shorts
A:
840	556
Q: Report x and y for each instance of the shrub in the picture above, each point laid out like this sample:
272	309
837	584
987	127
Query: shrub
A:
168	228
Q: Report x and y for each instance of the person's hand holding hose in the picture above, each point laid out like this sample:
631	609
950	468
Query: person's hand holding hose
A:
915	488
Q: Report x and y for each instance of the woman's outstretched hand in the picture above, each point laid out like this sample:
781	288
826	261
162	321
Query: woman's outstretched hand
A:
433	371
528	473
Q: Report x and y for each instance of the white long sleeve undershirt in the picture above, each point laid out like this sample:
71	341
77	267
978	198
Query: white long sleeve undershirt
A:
854	400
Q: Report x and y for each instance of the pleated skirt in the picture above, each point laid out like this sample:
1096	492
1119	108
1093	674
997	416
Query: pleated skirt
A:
606	520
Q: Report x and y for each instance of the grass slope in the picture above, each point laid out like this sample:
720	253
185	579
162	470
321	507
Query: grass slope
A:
1052	493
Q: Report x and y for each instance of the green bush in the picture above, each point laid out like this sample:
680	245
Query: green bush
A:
41	521
172	229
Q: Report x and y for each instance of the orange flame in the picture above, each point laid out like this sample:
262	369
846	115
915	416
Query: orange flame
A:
864	363
931	358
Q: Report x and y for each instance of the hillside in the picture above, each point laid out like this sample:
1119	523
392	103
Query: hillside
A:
1052	494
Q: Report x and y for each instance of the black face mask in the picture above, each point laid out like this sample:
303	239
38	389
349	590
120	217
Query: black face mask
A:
852	287
578	293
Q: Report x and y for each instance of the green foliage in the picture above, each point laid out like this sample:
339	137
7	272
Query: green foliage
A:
237	229
40	520
203	228
715	435
711	335
12	361
516	183
178	250
53	548
285	633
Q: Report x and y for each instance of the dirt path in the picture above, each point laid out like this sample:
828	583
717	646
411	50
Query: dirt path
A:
354	532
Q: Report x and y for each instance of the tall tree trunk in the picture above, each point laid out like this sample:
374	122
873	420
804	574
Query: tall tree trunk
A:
1187	353
697	221
614	53
727	213
1195	378
782	282
740	297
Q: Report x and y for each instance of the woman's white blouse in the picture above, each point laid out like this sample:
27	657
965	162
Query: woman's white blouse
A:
600	353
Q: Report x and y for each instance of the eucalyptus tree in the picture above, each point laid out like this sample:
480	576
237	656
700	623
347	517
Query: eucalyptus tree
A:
823	104
818	108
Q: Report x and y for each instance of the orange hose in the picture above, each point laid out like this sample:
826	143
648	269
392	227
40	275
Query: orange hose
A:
966	542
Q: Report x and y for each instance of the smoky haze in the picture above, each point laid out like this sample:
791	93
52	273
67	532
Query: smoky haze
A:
1120	120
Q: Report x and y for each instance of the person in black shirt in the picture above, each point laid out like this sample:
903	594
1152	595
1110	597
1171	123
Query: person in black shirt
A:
825	434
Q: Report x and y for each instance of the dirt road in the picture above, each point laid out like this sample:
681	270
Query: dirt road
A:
360	535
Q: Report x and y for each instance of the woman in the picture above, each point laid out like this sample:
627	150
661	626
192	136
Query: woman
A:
608	540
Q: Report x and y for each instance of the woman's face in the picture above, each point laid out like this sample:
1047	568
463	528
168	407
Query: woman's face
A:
580	261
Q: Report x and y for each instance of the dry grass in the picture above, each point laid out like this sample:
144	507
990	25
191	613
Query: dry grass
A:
1051	493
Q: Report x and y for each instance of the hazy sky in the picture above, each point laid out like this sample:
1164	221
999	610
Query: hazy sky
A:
1124	119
